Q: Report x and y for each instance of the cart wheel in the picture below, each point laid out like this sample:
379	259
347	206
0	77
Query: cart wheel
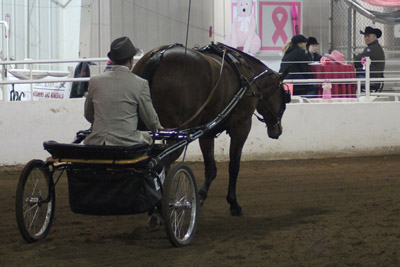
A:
180	204
35	201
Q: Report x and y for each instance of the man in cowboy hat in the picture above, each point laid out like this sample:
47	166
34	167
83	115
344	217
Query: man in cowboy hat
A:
374	51
115	100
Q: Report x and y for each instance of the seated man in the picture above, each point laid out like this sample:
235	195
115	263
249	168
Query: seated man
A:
375	52
115	100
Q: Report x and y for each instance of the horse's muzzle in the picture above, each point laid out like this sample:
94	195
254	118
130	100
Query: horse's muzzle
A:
275	131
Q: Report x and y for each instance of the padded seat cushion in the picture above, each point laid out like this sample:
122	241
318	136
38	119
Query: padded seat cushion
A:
77	151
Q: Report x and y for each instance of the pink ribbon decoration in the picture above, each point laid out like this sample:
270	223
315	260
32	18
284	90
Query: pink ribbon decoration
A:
279	24
295	24
363	61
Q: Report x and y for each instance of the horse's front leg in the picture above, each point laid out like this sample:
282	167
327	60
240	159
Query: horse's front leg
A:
210	168
235	154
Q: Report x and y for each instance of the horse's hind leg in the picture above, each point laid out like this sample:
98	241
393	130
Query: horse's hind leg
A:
171	159
210	168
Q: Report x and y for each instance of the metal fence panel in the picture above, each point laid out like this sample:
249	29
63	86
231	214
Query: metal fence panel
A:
346	26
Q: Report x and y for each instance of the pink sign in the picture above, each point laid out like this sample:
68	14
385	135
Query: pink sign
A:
275	23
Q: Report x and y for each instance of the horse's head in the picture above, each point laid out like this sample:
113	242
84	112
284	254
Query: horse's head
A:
272	101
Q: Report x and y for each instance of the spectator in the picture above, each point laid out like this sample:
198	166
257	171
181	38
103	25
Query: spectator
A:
296	61
374	51
78	89
312	48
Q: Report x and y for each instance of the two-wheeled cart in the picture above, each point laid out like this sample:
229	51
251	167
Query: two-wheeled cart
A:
110	180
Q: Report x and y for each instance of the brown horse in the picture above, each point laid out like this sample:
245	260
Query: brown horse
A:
190	87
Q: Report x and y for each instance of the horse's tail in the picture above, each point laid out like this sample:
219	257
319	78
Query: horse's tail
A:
151	63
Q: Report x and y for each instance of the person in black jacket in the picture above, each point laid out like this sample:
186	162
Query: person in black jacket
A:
374	51
296	60
78	89
312	48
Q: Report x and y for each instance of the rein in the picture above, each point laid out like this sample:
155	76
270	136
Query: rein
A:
243	81
260	96
209	96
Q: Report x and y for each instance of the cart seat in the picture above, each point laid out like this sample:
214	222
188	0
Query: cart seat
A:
93	152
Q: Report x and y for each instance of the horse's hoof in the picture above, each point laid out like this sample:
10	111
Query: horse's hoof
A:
202	197
154	221
236	212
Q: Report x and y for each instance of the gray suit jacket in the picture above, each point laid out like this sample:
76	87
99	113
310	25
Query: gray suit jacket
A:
115	100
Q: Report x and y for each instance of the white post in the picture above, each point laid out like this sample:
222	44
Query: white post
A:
7	37
3	88
367	76
85	29
358	88
31	77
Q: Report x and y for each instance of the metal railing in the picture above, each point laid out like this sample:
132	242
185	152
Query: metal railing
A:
6	64
367	80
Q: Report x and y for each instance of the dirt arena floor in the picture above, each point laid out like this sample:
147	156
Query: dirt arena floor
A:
322	212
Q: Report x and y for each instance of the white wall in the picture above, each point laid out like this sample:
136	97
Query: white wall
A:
25	125
310	130
71	21
149	23
41	29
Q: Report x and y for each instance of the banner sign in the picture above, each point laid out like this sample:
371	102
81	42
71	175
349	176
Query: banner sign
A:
45	90
278	22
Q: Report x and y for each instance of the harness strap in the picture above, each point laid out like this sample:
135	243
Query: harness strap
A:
162	51
231	59
258	117
154	60
210	95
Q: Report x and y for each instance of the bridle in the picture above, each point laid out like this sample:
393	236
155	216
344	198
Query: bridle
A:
260	96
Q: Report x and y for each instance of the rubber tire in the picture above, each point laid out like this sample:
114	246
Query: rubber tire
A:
168	210
35	169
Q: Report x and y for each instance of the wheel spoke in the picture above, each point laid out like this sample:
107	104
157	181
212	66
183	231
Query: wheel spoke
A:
183	187
34	187
175	220
33	219
180	223
28	210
